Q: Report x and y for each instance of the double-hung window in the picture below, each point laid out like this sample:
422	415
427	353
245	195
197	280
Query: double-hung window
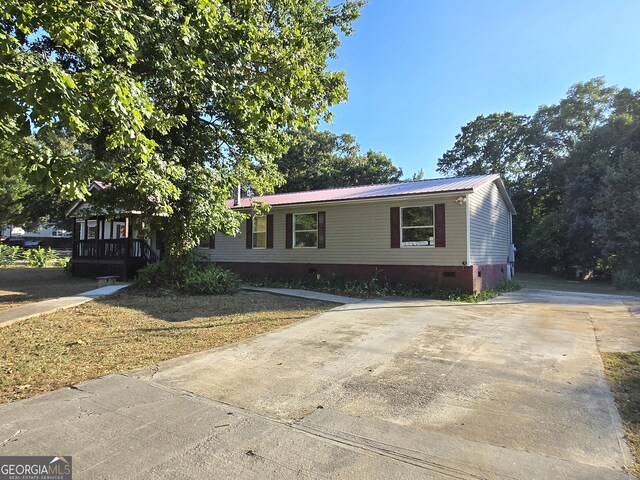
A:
305	230
417	226
260	232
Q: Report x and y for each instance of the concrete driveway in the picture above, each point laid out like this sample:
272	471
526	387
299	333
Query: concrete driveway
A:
509	389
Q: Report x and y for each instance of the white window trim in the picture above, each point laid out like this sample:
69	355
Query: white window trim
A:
433	208
254	231
294	231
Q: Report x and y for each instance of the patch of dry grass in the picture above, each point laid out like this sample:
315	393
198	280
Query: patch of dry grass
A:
128	331
23	285
623	371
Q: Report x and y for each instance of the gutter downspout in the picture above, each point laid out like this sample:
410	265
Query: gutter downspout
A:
468	213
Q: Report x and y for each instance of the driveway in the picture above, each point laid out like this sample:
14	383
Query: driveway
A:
510	389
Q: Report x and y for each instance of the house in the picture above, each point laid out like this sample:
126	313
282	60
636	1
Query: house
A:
441	233
41	232
46	236
114	244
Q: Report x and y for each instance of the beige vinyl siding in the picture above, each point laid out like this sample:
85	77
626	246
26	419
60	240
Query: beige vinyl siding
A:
489	226
356	233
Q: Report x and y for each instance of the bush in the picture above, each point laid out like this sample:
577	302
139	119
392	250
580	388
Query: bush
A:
380	288
210	280
40	257
193	274
9	254
508	286
626	279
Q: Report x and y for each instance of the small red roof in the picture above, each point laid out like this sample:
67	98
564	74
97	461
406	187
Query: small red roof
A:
416	187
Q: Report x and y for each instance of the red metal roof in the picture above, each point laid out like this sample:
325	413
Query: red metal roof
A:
416	187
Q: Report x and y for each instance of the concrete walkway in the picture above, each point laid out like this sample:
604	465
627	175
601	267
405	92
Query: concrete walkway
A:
311	295
16	314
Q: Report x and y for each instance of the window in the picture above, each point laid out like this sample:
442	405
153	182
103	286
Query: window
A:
260	232
208	241
92	229
417	229
305	230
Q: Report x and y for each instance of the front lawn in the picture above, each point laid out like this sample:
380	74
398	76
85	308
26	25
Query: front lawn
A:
130	330
623	371
20	285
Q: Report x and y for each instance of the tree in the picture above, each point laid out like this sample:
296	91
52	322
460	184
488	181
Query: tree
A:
488	144
180	101
12	194
321	159
617	226
419	175
553	162
28	208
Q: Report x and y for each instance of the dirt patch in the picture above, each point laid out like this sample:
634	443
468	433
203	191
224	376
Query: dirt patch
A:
24	285
130	331
623	372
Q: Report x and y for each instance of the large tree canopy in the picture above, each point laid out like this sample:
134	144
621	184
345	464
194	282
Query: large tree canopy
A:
179	101
572	169
321	159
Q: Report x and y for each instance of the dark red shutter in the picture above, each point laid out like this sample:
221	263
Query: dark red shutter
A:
212	240
249	232
269	231
289	231
441	237
322	229
395	227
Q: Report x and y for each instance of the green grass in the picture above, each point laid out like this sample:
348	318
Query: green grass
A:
550	282
623	372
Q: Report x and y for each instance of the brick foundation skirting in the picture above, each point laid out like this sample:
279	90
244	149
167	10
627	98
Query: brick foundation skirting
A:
490	276
427	277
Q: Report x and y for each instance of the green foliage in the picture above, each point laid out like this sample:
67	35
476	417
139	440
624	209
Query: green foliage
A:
9	254
209	281
40	257
573	170
13	191
320	159
65	263
627	279
191	274
476	297
380	288
177	101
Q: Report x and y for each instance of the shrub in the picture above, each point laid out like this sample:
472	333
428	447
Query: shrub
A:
379	288
626	279
507	286
209	280
40	257
192	274
9	254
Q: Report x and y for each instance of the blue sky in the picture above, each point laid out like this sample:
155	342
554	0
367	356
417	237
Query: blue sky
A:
420	69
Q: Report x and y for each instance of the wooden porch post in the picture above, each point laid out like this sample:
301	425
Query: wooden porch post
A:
97	236
74	238
127	241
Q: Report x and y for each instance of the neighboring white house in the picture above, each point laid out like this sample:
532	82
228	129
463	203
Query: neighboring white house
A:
42	232
440	233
